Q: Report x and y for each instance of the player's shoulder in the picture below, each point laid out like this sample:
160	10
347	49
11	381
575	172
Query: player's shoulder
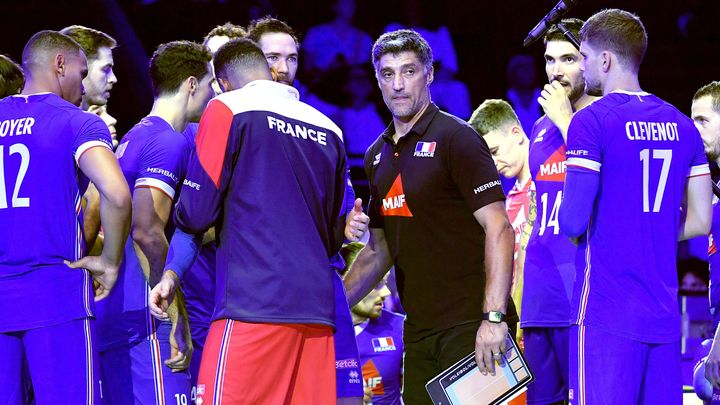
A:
276	98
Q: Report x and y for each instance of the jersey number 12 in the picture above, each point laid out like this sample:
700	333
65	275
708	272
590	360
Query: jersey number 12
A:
24	153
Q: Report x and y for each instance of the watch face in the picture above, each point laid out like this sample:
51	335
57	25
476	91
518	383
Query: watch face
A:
495	317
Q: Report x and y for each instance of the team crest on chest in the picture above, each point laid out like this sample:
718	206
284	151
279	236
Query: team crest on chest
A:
425	149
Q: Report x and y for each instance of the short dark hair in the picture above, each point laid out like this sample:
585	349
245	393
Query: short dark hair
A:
228	29
618	31
12	78
269	25
491	115
395	42
237	52
572	24
711	90
173	62
90	40
47	40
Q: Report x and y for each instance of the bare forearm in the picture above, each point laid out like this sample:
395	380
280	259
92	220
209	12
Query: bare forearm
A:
115	216
152	247
91	216
365	273
498	267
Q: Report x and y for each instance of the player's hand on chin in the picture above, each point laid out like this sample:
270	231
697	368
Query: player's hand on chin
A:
162	295
104	273
490	345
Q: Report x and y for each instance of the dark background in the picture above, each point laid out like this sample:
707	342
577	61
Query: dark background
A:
485	33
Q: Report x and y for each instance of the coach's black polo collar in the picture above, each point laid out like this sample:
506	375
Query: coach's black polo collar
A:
419	128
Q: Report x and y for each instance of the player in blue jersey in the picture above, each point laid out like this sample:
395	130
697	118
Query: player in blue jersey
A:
49	149
380	342
550	256
705	112
198	281
98	47
633	162
12	78
154	157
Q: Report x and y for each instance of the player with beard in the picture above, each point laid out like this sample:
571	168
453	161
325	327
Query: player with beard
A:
637	182
705	112
280	46
550	256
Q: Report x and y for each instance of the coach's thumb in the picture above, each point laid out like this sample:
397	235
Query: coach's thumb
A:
358	208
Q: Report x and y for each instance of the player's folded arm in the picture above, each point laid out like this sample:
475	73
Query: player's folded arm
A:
581	187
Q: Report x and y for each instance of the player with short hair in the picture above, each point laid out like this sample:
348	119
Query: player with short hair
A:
550	256
633	162
98	47
12	78
280	45
705	112
154	157
49	149
379	335
259	329
497	123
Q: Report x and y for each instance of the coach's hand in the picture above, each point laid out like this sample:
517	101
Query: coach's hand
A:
556	104
712	365
104	273
357	223
162	295
181	347
490	345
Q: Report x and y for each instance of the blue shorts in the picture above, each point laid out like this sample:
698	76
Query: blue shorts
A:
546	351
62	361
135	373
609	369
348	374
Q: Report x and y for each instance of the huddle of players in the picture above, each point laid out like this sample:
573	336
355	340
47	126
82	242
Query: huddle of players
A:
625	355
154	157
600	314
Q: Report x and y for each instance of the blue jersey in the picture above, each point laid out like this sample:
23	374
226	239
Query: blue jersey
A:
380	343
151	155
42	137
644	150
714	259
550	256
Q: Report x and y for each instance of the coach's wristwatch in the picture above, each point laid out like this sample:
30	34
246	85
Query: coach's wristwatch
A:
493	316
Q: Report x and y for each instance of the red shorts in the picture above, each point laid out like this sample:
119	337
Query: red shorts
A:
262	363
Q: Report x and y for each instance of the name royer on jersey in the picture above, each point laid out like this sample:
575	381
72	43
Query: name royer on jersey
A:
297	130
19	126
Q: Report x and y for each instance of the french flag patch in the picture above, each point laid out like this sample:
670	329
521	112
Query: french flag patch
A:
425	149
383	344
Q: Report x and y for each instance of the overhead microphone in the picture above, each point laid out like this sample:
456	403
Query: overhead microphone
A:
551	18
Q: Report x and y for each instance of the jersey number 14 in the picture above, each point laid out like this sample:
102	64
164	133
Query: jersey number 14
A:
24	153
666	156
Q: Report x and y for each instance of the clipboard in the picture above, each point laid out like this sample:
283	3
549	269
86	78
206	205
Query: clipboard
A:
463	384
